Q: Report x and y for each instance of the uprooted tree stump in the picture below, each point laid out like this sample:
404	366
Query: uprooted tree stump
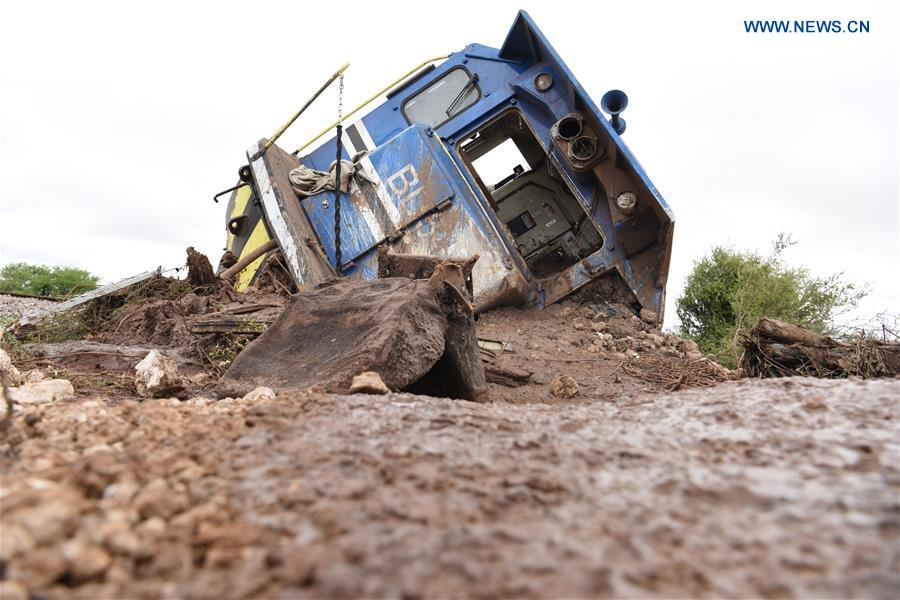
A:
778	349
200	271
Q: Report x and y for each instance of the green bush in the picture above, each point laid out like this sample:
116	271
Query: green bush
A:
728	291
41	280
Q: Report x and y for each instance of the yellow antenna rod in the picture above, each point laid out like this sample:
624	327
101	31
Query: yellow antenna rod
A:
290	121
374	96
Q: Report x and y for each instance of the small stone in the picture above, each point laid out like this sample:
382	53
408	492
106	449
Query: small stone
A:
41	568
36	375
694	355
564	386
151	530
260	393
13	590
688	346
201	379
157	377
598	326
50	520
160	500
368	382
14	541
656	340
8	372
43	392
119	538
86	561
578	326
648	316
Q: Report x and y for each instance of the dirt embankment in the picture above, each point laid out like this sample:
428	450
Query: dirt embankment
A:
748	489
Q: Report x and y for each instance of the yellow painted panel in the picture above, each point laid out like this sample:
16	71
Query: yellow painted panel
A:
240	203
259	237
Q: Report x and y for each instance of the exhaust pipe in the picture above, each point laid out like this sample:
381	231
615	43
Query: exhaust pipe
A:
614	102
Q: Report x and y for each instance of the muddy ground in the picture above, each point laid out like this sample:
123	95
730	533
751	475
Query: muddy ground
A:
623	466
778	488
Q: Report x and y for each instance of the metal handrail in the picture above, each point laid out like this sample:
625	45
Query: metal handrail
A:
373	97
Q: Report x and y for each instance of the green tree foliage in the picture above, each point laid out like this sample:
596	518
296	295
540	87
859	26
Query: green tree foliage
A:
729	291
41	280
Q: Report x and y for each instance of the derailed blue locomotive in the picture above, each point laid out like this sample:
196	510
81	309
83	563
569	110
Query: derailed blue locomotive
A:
495	153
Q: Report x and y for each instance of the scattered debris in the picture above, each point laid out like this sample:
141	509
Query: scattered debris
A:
405	329
508	376
778	349
675	373
8	372
43	392
368	382
260	393
157	377
564	386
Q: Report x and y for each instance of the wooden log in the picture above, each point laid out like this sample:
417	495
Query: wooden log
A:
508	376
249	258
792	334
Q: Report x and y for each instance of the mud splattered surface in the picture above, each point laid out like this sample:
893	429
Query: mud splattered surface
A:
746	489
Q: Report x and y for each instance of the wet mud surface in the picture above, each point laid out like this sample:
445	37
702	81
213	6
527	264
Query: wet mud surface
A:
777	488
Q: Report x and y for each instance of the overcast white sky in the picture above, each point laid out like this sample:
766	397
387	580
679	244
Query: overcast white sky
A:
119	120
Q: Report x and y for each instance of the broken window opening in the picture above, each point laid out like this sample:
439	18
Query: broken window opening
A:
550	227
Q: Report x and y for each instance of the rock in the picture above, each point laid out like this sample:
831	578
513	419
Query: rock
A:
156	376
152	529
13	590
158	499
260	393
120	494
579	326
656	340
564	386
86	561
36	375
201	379
598	326
368	382
118	536
43	392
648	316
694	355
14	541
688	346
51	518
40	568
8	370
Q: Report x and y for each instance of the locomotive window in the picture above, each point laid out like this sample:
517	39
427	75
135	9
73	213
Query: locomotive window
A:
445	98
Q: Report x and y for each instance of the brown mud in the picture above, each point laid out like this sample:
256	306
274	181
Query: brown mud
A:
777	488
612	460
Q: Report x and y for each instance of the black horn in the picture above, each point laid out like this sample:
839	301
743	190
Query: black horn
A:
614	102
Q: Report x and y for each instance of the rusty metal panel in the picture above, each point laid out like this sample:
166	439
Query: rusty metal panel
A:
412	185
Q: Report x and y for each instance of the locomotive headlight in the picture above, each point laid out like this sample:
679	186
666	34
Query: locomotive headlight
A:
543	81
